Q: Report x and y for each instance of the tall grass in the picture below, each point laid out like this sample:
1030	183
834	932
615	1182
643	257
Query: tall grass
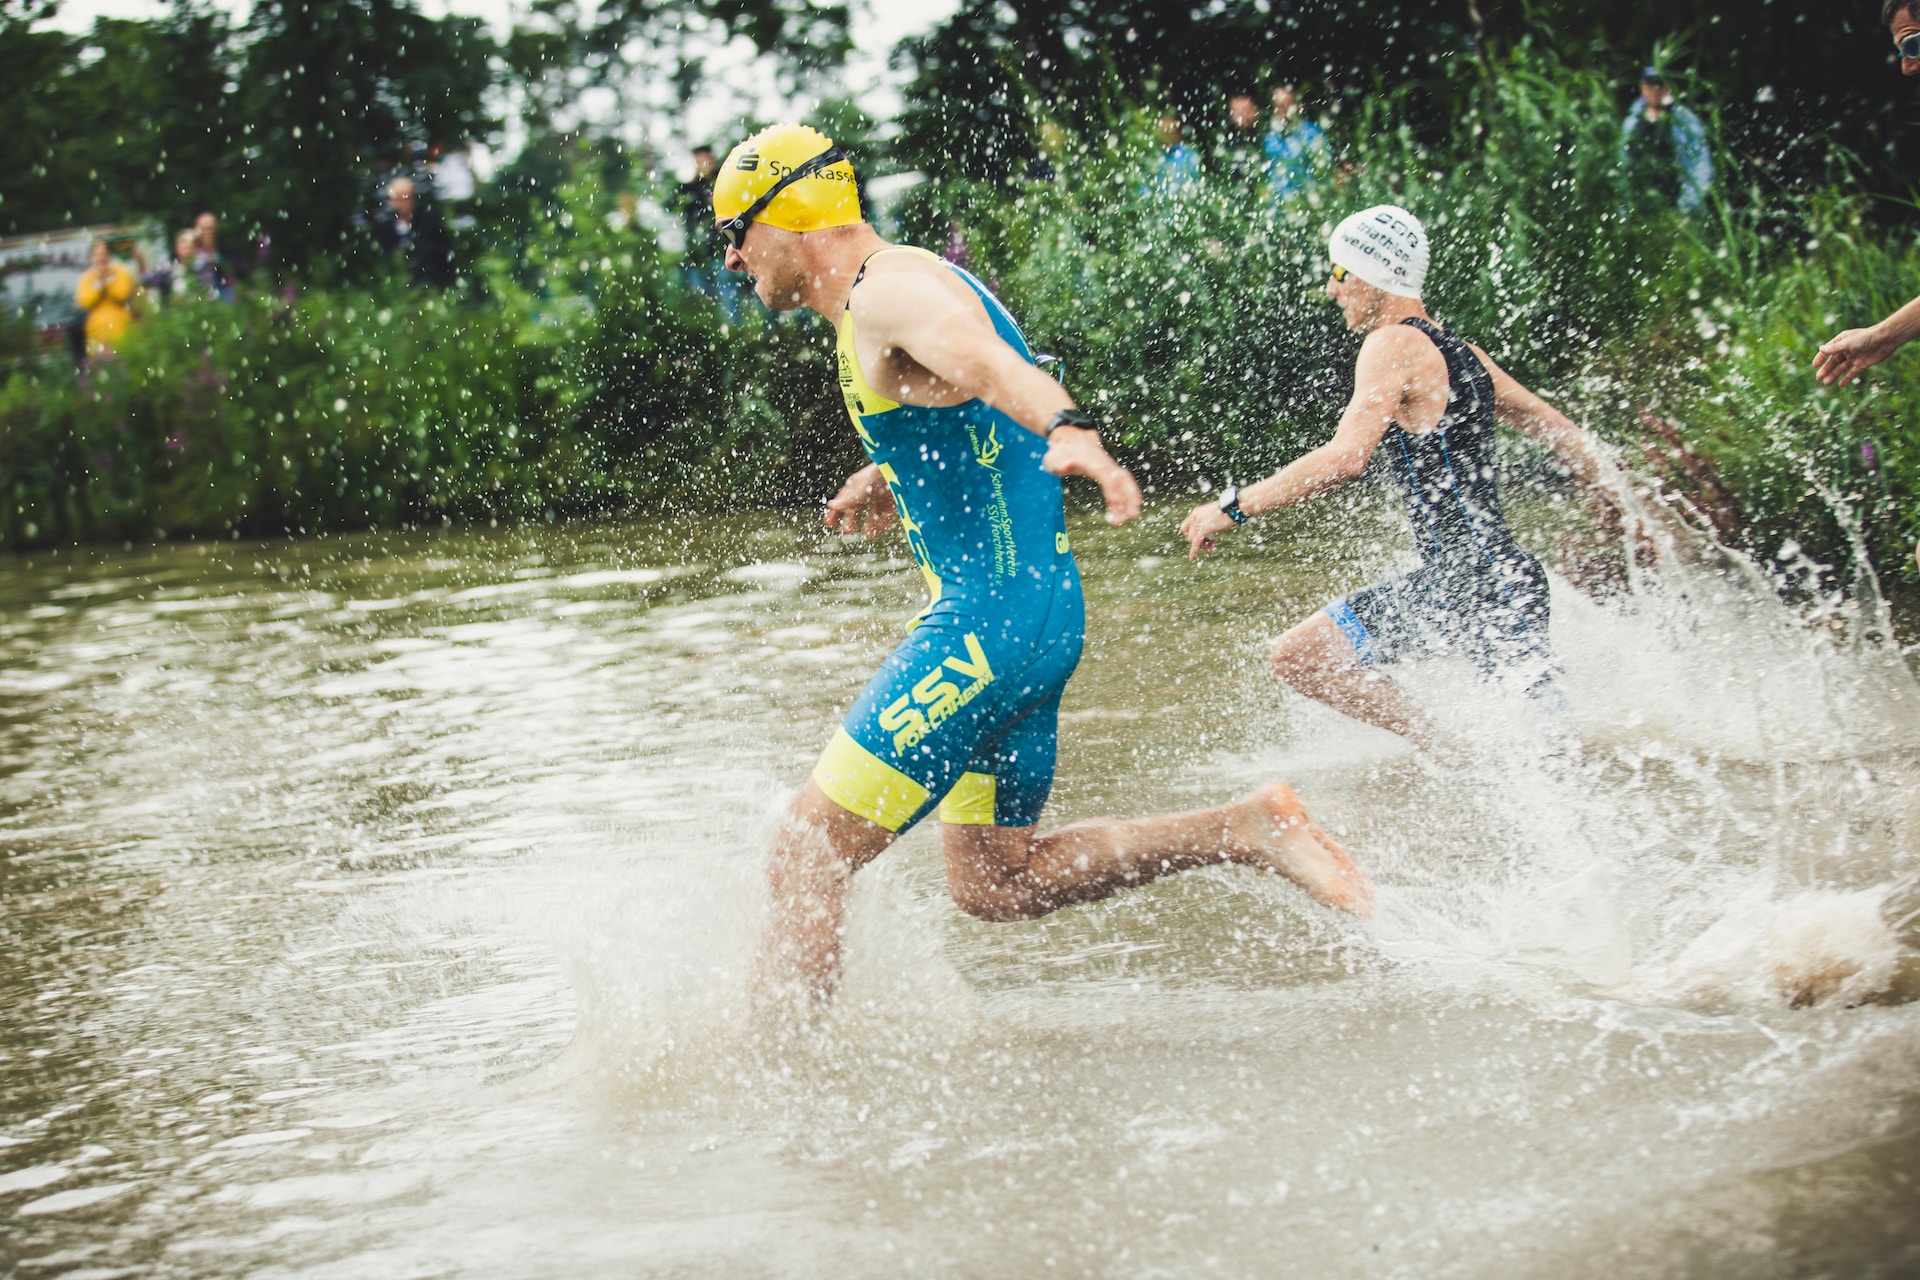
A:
1198	322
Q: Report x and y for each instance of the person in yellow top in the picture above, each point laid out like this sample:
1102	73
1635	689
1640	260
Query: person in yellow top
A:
104	292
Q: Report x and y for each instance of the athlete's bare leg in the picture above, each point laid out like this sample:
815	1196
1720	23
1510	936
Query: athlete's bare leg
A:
1315	658
1007	873
815	852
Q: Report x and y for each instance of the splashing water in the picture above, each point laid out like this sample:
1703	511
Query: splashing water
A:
385	907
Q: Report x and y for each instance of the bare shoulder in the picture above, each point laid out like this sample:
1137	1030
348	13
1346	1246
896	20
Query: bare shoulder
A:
1399	350
905	288
909	274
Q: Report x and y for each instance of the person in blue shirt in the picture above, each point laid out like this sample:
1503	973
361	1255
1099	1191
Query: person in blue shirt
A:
1663	146
1296	147
1179	167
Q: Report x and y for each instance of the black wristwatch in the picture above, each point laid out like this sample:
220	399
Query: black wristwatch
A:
1230	504
1070	418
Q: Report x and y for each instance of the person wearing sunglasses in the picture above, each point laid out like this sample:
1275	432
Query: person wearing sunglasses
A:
1425	400
1901	18
969	443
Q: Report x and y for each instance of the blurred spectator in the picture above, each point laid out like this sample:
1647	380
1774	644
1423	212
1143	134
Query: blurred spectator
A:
141	267
626	212
176	278
1050	152
1663	147
1243	148
706	253
450	174
696	210
210	265
414	230
1178	167
1296	147
105	294
186	277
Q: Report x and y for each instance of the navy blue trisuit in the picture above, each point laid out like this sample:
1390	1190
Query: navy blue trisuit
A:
1477	592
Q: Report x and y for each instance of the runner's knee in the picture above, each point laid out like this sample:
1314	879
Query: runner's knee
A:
1296	662
1001	902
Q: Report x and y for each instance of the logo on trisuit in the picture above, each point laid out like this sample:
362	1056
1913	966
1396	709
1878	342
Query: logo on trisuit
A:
988	454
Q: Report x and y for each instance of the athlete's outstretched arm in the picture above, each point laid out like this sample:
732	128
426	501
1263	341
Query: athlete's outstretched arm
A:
957	344
1577	450
1380	387
1528	414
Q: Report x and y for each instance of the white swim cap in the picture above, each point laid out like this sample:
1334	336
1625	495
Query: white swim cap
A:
1386	246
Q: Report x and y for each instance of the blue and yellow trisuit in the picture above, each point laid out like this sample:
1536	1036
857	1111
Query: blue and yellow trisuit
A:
964	714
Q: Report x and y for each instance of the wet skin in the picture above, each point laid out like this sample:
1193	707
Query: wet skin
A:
1847	355
922	336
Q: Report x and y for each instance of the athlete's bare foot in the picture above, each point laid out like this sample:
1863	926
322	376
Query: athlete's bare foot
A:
1274	832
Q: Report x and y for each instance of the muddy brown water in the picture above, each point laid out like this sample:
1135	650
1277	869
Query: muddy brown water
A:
379	906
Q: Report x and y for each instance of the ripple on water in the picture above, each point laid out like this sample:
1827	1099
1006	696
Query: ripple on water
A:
395	912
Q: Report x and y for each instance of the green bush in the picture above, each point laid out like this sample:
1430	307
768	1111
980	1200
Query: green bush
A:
581	377
1197	321
601	387
1812	465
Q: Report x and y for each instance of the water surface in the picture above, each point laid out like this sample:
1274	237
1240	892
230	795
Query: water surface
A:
379	906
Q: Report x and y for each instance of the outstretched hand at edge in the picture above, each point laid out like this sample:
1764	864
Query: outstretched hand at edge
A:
1200	525
1847	355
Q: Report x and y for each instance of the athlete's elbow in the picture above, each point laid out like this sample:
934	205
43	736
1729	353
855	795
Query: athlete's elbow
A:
1346	468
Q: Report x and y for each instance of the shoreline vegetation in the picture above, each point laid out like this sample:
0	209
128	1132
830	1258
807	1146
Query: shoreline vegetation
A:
574	375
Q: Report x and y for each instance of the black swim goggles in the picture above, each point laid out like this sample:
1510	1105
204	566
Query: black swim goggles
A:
734	229
1909	46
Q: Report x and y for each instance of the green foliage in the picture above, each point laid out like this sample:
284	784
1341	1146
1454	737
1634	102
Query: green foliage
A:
1798	80
336	411
1540	250
279	127
127	122
1197	317
806	35
1196	320
599	388
1734	360
675	401
336	90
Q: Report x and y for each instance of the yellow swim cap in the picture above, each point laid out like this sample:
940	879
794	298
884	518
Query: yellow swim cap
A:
826	198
